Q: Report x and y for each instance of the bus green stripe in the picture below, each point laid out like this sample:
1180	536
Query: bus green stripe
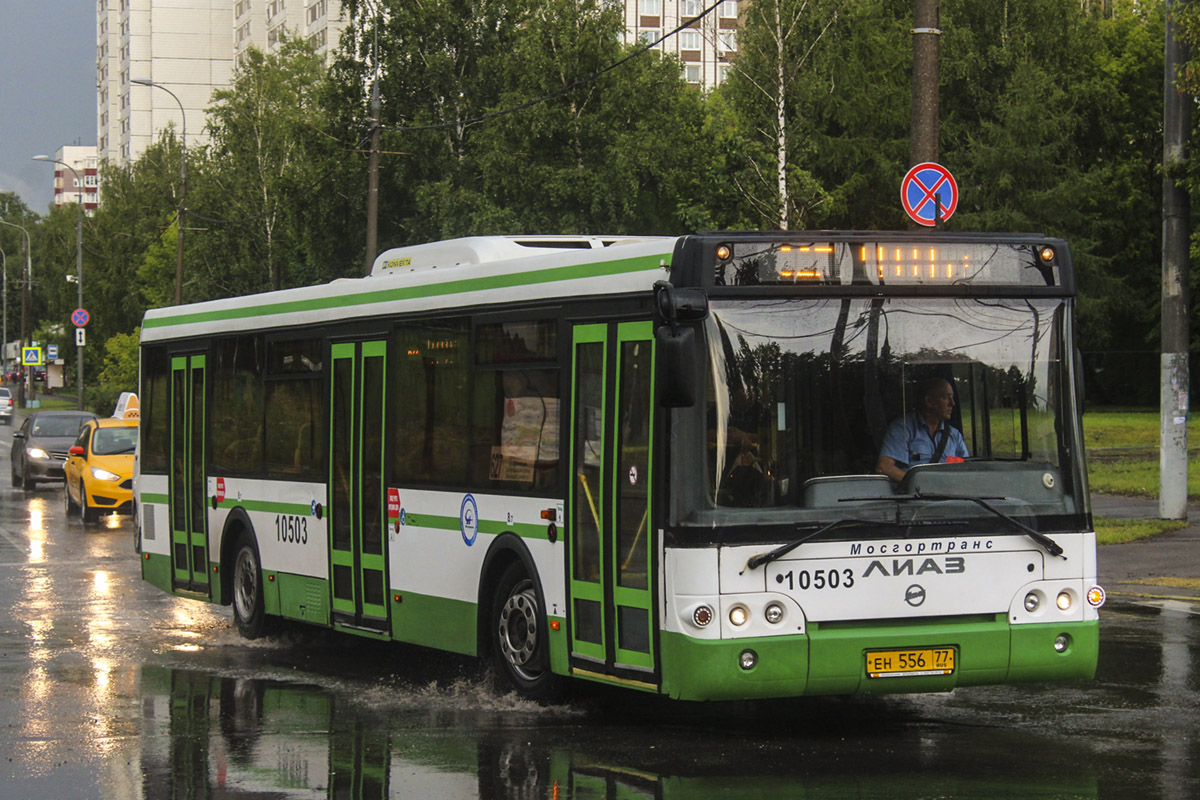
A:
440	523
269	506
552	275
490	526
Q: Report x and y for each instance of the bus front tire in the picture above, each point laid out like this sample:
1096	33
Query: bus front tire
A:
249	612
520	646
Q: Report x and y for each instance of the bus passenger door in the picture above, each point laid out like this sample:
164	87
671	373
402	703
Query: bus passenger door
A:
357	557
189	531
610	540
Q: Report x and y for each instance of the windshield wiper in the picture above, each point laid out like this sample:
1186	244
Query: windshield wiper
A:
779	552
1052	547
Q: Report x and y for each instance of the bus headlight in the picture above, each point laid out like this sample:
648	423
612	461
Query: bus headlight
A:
739	616
773	613
1032	602
1063	601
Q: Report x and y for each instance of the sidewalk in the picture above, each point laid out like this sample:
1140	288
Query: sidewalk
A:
1165	567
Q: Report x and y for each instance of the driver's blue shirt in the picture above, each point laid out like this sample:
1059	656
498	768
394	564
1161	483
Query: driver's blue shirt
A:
908	442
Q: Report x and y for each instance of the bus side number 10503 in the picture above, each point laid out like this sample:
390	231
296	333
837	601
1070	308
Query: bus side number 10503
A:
290	528
816	579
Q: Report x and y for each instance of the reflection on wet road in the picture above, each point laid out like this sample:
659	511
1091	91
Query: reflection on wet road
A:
111	689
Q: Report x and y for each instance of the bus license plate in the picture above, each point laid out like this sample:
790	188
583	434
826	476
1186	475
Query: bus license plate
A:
910	663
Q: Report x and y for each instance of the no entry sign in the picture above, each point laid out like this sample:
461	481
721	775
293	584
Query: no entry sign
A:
924	188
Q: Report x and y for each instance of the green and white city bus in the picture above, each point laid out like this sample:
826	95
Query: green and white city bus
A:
649	462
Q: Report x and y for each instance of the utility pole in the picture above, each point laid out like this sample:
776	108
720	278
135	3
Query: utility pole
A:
373	178
4	343
1177	123
923	144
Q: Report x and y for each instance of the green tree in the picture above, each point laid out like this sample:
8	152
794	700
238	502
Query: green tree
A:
598	151
441	68
770	91
265	194
1064	139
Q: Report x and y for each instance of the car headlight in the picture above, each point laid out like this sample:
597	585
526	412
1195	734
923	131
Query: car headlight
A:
37	452
104	475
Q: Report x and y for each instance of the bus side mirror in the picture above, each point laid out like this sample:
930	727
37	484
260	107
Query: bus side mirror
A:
680	305
677	359
678	355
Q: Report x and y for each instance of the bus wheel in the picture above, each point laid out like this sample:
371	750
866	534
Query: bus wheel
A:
248	607
519	637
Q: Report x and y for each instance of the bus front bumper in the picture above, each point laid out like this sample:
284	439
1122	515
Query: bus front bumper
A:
833	660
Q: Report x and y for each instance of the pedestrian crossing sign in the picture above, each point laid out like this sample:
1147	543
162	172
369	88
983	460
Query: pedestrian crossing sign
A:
31	356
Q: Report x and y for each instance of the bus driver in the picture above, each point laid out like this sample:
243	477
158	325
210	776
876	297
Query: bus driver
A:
924	436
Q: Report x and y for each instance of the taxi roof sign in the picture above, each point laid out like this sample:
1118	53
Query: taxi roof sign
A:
128	407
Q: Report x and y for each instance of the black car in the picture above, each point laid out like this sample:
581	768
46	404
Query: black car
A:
40	445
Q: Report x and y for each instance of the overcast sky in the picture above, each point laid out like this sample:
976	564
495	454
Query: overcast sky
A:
47	90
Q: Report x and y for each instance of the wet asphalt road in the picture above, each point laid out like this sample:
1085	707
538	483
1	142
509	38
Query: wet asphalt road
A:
111	689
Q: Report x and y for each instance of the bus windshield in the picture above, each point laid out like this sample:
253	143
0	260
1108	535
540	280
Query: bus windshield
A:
801	393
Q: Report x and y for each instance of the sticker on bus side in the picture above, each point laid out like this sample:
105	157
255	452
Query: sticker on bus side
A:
468	520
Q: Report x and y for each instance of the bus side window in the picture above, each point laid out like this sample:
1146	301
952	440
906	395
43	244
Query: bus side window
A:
432	384
236	427
155	410
297	407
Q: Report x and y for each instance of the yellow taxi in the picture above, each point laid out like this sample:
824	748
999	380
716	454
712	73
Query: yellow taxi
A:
99	468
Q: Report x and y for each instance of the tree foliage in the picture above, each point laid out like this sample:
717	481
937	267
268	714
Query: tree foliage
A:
507	116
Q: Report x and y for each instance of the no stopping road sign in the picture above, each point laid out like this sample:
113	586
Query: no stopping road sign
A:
925	187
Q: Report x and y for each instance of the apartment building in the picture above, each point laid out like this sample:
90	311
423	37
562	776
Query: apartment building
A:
187	49
81	185
264	23
705	46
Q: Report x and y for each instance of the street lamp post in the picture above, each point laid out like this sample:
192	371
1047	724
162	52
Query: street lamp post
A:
182	184
4	343
78	274
25	308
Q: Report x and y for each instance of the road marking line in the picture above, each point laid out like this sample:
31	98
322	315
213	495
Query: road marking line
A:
19	545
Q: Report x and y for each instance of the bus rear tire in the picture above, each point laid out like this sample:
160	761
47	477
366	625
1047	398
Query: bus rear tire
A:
519	638
249	609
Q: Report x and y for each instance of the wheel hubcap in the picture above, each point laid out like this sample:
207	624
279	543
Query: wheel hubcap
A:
519	630
245	581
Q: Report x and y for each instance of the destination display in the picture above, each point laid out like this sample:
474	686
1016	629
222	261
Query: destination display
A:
886	263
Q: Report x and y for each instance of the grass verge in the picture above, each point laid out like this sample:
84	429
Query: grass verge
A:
1122	448
50	402
1119	531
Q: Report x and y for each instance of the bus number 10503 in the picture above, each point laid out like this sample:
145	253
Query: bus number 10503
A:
816	579
291	529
